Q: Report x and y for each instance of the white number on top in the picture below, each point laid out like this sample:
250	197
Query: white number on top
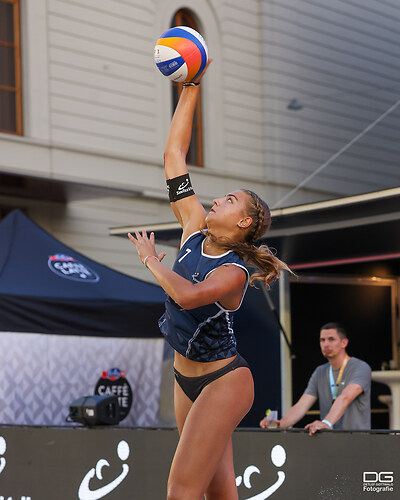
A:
185	255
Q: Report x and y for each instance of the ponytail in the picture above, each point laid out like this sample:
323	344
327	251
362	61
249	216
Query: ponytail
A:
268	265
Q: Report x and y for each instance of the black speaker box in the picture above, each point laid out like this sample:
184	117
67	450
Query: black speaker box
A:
95	410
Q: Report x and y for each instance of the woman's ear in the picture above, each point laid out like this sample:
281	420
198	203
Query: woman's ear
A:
245	222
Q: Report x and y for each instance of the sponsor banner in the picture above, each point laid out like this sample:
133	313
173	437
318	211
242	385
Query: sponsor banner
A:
114	383
121	463
67	267
43	374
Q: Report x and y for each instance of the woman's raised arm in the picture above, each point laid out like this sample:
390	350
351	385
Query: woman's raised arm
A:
188	210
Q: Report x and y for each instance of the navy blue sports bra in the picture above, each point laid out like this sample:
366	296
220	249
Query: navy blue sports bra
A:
205	333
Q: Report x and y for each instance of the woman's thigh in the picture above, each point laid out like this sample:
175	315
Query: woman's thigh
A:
223	483
207	428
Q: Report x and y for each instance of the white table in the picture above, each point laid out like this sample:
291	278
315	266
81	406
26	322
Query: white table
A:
392	379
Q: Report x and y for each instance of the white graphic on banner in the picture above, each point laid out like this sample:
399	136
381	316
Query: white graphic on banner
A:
278	458
3	447
10	498
85	493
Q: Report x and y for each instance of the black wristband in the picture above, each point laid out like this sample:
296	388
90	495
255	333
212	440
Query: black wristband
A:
179	187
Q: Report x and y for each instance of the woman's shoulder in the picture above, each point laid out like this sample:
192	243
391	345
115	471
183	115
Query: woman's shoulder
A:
233	258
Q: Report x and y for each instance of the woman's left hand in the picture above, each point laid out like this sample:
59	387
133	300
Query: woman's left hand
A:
145	246
196	80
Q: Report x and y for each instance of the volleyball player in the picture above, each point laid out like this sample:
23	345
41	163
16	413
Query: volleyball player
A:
213	384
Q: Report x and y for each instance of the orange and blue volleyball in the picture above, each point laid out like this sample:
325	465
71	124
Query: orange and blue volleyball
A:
181	54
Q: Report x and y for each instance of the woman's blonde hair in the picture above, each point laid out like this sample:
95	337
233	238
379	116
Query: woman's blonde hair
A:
261	257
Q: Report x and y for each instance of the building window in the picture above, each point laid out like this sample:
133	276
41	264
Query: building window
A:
195	154
10	68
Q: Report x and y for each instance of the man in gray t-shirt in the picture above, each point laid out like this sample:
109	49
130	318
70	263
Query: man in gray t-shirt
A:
357	415
342	386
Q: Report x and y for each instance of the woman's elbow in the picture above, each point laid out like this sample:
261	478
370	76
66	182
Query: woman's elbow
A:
185	303
188	301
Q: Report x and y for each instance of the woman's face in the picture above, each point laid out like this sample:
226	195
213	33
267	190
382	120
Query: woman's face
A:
230	211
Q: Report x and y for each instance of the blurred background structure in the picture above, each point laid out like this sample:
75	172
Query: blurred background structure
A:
301	105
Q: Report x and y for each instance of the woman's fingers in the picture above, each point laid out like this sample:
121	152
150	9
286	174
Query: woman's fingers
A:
132	238
203	72
144	245
143	235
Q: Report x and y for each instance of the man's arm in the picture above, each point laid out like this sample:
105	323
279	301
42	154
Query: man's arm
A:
349	394
295	413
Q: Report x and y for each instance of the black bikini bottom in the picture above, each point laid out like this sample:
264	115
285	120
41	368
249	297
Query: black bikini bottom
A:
192	386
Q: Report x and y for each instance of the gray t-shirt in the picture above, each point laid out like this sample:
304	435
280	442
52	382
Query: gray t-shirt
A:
358	413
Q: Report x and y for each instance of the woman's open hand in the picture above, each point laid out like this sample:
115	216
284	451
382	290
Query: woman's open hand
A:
145	246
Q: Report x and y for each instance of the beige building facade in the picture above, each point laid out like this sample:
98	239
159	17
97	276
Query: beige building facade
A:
96	111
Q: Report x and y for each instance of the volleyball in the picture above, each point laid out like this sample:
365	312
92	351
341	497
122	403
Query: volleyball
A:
181	54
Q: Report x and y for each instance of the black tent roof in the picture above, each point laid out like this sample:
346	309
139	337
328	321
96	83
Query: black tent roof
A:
47	287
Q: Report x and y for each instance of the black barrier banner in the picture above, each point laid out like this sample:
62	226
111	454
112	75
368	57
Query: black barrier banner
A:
42	463
327	466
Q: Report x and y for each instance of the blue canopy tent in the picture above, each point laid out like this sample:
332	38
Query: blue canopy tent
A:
47	287
67	323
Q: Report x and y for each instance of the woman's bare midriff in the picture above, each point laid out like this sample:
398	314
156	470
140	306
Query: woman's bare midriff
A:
190	368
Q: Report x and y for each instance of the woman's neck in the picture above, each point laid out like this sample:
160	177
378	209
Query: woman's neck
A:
211	246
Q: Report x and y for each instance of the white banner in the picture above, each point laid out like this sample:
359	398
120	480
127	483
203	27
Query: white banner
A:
40	375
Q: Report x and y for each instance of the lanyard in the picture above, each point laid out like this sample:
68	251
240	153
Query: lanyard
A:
335	387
